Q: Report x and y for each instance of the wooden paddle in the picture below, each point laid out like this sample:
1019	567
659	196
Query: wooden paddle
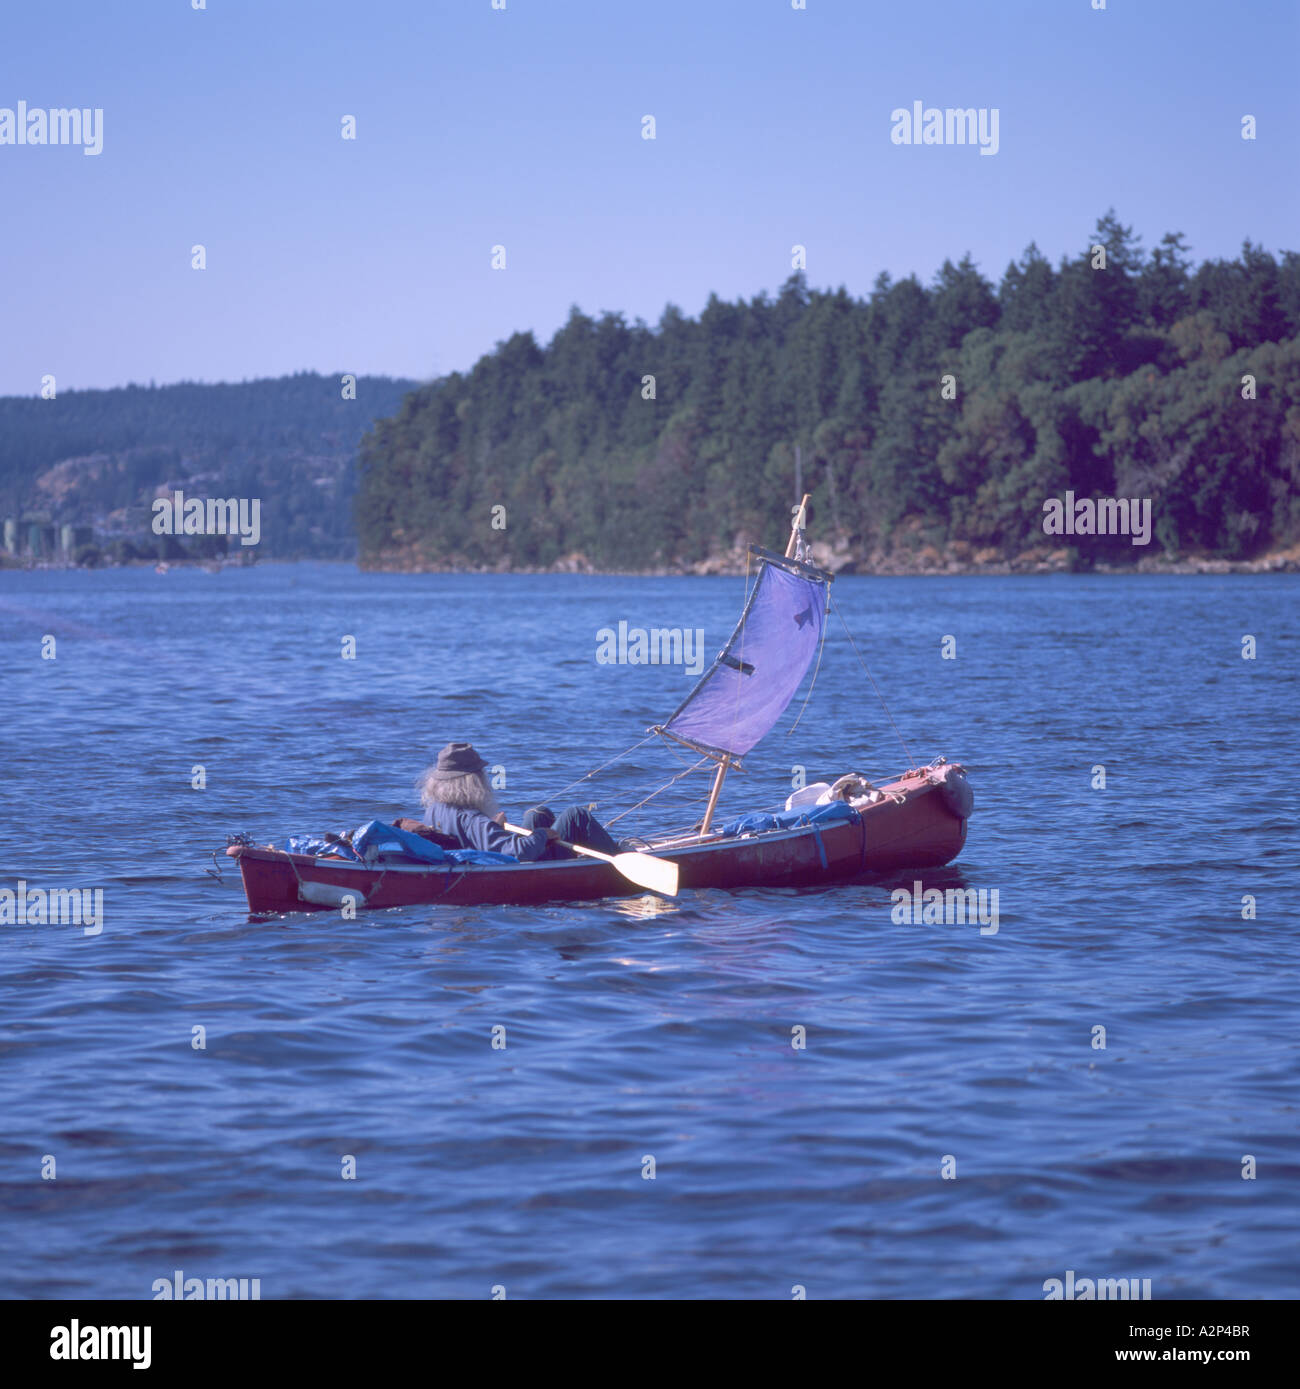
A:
657	874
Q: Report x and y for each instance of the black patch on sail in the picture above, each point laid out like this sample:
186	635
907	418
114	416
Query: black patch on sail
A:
803	617
742	666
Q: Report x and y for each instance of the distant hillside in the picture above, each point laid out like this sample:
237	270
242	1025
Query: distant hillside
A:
934	422
97	458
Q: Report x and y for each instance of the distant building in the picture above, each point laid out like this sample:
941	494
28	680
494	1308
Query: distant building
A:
74	537
37	537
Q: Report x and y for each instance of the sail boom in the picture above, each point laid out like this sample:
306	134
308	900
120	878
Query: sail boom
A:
717	754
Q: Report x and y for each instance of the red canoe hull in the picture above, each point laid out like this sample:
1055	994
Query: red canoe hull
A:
912	826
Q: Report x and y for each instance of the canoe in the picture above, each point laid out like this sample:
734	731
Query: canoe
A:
918	820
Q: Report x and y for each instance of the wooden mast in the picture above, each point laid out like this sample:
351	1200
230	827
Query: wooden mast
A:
713	795
796	530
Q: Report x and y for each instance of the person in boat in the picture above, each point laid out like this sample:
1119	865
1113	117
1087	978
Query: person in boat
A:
459	804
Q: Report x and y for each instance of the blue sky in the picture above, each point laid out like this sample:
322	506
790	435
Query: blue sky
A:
479	127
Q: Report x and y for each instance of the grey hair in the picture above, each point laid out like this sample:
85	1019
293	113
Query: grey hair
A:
468	792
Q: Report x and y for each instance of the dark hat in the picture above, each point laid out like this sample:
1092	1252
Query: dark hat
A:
457	760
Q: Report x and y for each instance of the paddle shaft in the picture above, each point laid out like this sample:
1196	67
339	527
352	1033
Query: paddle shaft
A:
577	848
659	875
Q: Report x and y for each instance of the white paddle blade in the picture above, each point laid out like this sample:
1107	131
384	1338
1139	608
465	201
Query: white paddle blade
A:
657	874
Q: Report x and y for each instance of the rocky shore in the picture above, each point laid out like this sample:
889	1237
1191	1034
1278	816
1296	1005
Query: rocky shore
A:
842	557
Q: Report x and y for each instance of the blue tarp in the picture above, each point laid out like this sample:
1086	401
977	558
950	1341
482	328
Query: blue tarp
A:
317	847
377	841
829	814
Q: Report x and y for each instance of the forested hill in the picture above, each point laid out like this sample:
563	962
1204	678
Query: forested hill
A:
1125	380
97	458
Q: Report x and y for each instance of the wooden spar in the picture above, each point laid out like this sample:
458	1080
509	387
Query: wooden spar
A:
713	795
796	529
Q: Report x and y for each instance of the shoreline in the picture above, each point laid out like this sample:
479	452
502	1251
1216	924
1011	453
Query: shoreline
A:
733	564
876	565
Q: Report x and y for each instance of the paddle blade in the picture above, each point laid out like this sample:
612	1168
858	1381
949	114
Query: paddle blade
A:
657	874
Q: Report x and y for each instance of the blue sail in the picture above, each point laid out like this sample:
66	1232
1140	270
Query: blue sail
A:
758	672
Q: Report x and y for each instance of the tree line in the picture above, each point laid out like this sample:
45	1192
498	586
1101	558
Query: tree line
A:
924	414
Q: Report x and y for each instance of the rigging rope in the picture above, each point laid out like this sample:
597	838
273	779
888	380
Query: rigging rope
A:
614	818
586	776
821	646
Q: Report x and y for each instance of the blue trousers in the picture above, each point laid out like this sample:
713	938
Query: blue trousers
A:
577	824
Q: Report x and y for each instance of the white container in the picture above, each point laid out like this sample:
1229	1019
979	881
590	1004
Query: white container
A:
816	794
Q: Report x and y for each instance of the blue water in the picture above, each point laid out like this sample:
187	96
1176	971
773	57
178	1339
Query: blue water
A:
638	1030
